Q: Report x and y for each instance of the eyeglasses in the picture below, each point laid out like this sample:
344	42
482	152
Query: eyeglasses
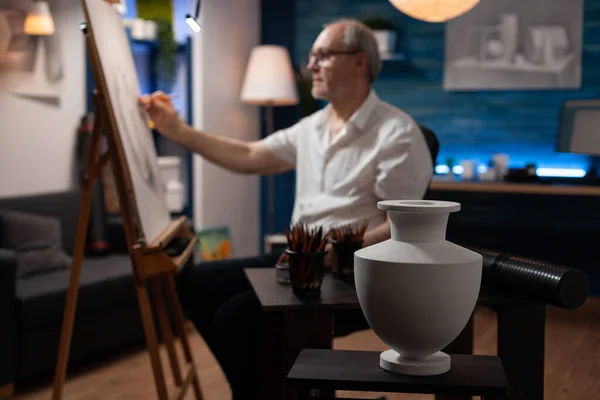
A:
325	55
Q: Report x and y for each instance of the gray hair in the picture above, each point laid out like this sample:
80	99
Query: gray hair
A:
359	37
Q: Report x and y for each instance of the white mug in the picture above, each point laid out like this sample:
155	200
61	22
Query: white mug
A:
468	170
501	164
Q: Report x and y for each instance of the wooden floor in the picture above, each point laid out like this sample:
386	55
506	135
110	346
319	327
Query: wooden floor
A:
572	363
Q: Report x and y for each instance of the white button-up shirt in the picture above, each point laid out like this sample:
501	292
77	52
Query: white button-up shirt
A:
379	154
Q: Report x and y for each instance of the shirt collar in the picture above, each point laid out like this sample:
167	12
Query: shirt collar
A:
364	112
360	116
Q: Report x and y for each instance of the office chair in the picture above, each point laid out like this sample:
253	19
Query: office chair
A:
434	148
432	142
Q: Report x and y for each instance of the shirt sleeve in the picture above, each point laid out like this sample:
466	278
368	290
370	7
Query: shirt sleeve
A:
284	143
404	167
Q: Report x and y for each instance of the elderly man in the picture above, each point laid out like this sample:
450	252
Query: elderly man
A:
347	156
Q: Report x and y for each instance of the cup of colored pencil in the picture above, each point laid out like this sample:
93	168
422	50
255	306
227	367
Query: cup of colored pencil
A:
306	257
345	241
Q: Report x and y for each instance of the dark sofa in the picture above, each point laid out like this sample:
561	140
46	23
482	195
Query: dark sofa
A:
31	308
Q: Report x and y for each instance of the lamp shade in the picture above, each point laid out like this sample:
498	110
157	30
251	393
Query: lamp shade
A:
269	78
39	20
434	10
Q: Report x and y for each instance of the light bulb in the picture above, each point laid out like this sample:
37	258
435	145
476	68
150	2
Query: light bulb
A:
434	10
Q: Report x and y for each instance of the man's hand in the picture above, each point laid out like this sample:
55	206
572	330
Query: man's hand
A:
163	114
328	249
378	234
283	258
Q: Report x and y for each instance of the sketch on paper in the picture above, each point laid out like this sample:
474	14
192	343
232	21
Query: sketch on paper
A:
515	44
118	69
142	146
29	65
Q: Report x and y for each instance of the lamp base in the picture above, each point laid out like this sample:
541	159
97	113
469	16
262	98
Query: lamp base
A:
436	364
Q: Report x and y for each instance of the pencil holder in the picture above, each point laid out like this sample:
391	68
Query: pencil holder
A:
306	272
342	259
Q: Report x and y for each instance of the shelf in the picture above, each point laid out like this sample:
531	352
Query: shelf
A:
167	235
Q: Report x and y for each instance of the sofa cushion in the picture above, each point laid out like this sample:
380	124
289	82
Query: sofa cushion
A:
36	239
105	282
94	337
61	205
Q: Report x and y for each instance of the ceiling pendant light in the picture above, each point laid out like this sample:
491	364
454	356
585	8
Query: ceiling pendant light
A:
434	10
39	20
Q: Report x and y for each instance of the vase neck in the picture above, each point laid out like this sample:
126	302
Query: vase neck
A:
418	228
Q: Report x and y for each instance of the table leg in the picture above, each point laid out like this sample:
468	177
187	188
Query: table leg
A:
521	340
270	382
302	330
463	344
284	335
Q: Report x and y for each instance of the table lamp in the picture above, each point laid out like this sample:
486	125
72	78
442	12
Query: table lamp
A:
39	20
270	81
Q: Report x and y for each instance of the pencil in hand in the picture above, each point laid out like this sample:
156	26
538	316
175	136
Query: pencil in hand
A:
145	101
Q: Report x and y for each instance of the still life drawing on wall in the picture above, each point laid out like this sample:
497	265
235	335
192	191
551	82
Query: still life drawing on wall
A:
515	44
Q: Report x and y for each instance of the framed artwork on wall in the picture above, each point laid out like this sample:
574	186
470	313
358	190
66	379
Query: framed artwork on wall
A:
30	65
215	244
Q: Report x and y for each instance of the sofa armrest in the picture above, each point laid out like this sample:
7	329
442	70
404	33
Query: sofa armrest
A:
8	273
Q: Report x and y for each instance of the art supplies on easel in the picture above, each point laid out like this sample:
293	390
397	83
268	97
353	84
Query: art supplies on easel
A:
154	240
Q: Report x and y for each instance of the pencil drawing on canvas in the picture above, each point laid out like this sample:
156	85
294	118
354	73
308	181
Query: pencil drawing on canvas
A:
29	65
142	150
515	44
120	75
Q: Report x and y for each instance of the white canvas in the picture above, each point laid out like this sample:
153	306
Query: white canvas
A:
118	68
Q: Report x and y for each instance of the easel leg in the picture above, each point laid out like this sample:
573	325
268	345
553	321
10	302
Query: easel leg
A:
78	253
180	327
151	341
165	327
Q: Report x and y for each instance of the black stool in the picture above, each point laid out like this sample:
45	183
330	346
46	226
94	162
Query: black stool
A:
328	370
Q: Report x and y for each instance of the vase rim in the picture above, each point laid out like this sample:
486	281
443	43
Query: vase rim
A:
419	206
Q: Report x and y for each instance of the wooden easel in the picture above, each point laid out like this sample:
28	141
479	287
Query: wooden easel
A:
150	262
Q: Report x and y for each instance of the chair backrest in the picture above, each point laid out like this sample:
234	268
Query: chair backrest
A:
432	142
434	147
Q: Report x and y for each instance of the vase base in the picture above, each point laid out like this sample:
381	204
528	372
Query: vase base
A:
435	364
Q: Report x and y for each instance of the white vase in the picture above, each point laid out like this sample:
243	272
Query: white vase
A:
509	33
417	290
386	42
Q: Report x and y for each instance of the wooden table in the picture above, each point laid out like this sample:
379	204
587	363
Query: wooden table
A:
516	188
290	325
314	370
